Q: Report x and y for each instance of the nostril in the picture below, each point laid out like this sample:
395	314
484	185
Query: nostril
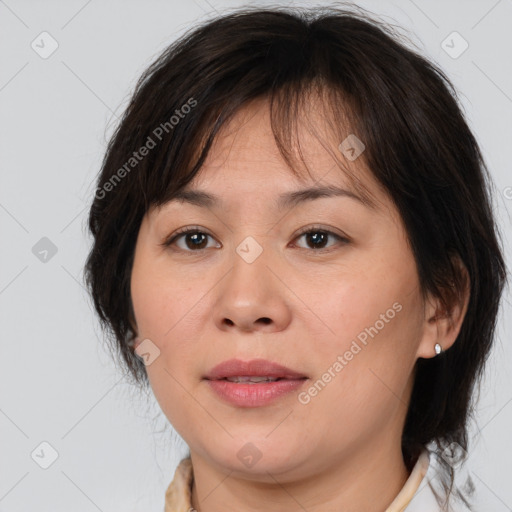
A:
265	320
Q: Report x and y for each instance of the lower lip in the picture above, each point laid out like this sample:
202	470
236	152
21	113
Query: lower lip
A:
254	395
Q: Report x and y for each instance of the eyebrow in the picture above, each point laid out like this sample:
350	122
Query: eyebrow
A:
285	200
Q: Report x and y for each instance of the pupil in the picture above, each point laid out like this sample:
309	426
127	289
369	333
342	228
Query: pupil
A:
195	237
316	238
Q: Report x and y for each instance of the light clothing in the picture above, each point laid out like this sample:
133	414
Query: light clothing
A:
417	494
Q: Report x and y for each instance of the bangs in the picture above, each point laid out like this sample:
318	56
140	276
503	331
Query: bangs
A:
308	105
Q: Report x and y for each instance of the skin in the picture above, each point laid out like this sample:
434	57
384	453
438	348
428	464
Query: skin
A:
341	451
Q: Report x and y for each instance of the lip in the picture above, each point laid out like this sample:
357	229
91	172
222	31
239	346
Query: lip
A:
254	368
256	394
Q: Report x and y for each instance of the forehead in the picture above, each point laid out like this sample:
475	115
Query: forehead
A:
244	171
244	159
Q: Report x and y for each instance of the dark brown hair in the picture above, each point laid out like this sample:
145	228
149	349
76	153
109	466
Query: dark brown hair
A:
418	147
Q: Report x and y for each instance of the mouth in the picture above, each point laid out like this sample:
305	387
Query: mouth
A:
255	371
255	383
253	379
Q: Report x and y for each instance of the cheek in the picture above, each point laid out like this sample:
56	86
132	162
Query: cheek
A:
363	379
160	297
168	308
374	321
163	307
377	311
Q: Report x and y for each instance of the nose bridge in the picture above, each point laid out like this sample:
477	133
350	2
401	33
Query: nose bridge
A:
251	297
250	276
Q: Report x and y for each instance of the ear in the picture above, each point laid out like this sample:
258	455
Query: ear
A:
442	324
134	340
133	325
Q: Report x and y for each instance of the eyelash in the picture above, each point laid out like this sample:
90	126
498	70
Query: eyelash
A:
310	229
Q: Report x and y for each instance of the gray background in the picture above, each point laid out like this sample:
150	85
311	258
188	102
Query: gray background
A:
58	383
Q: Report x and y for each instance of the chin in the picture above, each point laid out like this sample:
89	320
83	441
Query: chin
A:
258	455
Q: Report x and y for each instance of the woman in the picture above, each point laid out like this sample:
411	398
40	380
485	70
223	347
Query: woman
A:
294	247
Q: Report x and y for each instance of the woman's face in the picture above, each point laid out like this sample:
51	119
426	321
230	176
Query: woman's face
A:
346	313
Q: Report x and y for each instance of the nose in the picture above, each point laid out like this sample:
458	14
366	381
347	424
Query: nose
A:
253	296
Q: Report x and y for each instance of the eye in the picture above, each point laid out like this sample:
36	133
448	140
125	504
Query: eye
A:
193	237
318	237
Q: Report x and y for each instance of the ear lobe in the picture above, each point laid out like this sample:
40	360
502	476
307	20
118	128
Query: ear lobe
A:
136	342
131	318
443	319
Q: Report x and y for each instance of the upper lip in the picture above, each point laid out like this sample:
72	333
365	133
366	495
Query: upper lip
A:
252	368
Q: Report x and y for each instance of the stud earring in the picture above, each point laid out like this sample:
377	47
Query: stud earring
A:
438	349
